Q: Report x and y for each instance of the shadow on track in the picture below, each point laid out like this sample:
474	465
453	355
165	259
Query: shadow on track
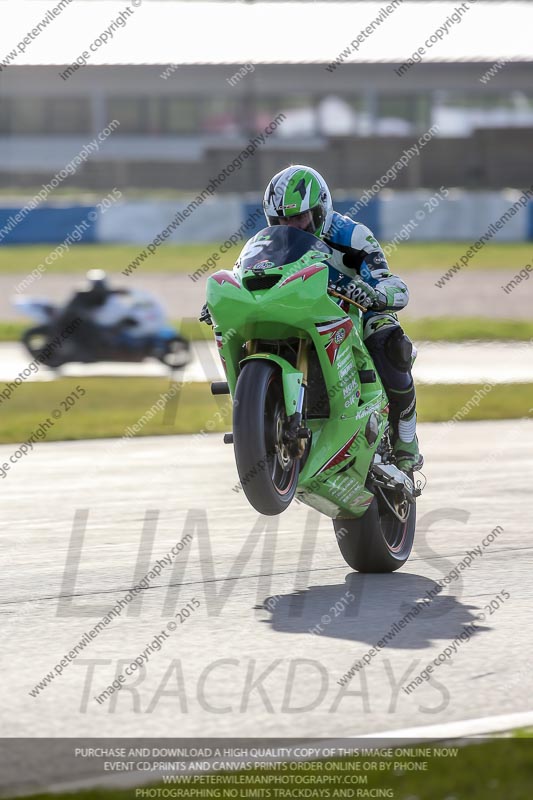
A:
408	607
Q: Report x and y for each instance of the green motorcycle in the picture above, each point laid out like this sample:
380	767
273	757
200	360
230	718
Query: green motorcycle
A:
310	415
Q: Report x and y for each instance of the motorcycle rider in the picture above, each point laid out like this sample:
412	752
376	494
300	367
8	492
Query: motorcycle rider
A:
83	305
299	196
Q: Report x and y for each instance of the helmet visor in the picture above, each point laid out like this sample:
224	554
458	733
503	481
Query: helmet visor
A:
309	221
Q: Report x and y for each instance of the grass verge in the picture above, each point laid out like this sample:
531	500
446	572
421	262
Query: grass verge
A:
440	402
187	258
190	327
426	329
12	331
461	329
109	407
112	405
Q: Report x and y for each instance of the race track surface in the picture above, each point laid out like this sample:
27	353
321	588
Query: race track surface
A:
436	362
83	522
466	294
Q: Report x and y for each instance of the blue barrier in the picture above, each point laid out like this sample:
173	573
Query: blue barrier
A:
253	211
368	215
529	233
49	224
139	221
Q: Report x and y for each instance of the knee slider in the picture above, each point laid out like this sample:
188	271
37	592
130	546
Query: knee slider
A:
399	350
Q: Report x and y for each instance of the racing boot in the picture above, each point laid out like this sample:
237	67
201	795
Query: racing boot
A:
407	456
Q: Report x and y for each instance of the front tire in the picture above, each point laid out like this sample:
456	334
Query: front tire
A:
268	474
37	340
177	353
377	541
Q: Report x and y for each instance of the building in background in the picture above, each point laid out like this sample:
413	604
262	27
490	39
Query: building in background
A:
180	124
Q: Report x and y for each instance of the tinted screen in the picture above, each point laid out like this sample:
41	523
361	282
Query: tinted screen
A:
279	245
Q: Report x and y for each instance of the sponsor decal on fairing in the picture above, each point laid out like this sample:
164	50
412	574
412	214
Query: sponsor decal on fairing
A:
304	274
224	276
336	332
343	454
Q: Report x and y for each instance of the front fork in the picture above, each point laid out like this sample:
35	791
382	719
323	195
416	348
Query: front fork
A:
296	436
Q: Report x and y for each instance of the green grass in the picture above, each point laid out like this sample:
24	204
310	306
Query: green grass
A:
111	405
12	331
108	408
428	329
460	329
442	255
187	258
524	733
190	327
440	402
501	769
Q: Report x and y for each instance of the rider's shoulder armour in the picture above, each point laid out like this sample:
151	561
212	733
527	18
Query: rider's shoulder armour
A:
346	234
341	230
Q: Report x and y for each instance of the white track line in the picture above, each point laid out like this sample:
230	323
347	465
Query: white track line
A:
448	731
456	730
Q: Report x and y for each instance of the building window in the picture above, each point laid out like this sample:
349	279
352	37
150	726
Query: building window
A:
44	116
180	115
131	112
68	115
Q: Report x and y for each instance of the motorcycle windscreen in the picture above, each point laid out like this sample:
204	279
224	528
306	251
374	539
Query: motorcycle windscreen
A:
278	245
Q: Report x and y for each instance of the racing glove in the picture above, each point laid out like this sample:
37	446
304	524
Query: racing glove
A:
205	316
364	294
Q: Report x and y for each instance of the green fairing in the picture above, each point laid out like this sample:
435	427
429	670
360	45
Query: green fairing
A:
295	307
292	379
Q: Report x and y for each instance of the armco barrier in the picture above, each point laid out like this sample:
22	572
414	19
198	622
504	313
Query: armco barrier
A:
48	223
460	216
463	215
140	221
369	215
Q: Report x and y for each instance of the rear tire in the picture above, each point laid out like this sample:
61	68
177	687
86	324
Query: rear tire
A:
268	475
377	541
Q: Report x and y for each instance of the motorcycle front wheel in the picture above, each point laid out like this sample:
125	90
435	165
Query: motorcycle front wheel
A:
177	353
267	471
37	340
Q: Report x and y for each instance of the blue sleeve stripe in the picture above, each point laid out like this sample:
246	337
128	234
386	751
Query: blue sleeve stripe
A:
341	230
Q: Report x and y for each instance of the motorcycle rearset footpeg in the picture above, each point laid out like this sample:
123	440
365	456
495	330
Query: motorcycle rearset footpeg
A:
390	477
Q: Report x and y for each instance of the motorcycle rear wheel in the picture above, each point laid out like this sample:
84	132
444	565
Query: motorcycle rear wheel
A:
377	541
268	474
